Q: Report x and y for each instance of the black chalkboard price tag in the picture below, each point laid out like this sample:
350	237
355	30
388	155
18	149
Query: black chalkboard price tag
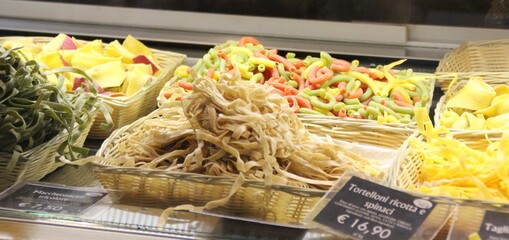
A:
363	209
47	198
494	226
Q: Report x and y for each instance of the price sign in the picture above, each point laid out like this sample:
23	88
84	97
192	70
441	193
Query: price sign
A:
40	207
495	226
40	197
366	210
364	227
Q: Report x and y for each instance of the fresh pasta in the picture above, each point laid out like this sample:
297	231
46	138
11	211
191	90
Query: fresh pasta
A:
228	127
326	84
450	167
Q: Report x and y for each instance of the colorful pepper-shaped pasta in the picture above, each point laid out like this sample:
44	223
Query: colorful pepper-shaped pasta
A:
318	85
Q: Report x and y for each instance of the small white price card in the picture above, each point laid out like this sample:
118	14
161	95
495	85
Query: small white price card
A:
53	199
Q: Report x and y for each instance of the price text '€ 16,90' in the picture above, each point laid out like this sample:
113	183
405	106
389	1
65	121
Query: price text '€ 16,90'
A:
364	227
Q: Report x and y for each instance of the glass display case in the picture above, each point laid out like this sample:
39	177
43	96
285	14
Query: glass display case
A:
401	29
374	32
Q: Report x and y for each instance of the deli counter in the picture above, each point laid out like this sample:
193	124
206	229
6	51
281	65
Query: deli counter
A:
423	47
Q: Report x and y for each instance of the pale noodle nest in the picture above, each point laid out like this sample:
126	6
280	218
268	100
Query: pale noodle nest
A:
230	127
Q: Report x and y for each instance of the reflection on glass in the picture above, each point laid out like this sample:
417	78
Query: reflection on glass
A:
465	13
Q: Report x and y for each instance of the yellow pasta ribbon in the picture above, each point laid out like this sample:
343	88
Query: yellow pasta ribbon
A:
451	168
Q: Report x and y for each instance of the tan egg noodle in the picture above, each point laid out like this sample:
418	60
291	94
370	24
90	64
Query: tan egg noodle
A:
239	129
231	126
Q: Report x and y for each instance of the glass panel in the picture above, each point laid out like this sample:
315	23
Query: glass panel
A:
469	13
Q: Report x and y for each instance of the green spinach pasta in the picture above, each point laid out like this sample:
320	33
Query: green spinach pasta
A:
33	110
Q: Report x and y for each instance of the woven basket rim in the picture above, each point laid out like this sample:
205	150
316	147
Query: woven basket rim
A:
203	178
362	122
465	51
487	42
467	75
472	73
471	134
493	77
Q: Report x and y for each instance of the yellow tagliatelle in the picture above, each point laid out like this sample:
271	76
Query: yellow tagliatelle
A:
451	168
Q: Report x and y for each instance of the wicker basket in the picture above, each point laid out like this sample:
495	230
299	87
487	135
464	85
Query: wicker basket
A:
492	78
37	162
389	135
488	58
440	107
362	131
152	188
127	109
406	170
480	56
159	188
